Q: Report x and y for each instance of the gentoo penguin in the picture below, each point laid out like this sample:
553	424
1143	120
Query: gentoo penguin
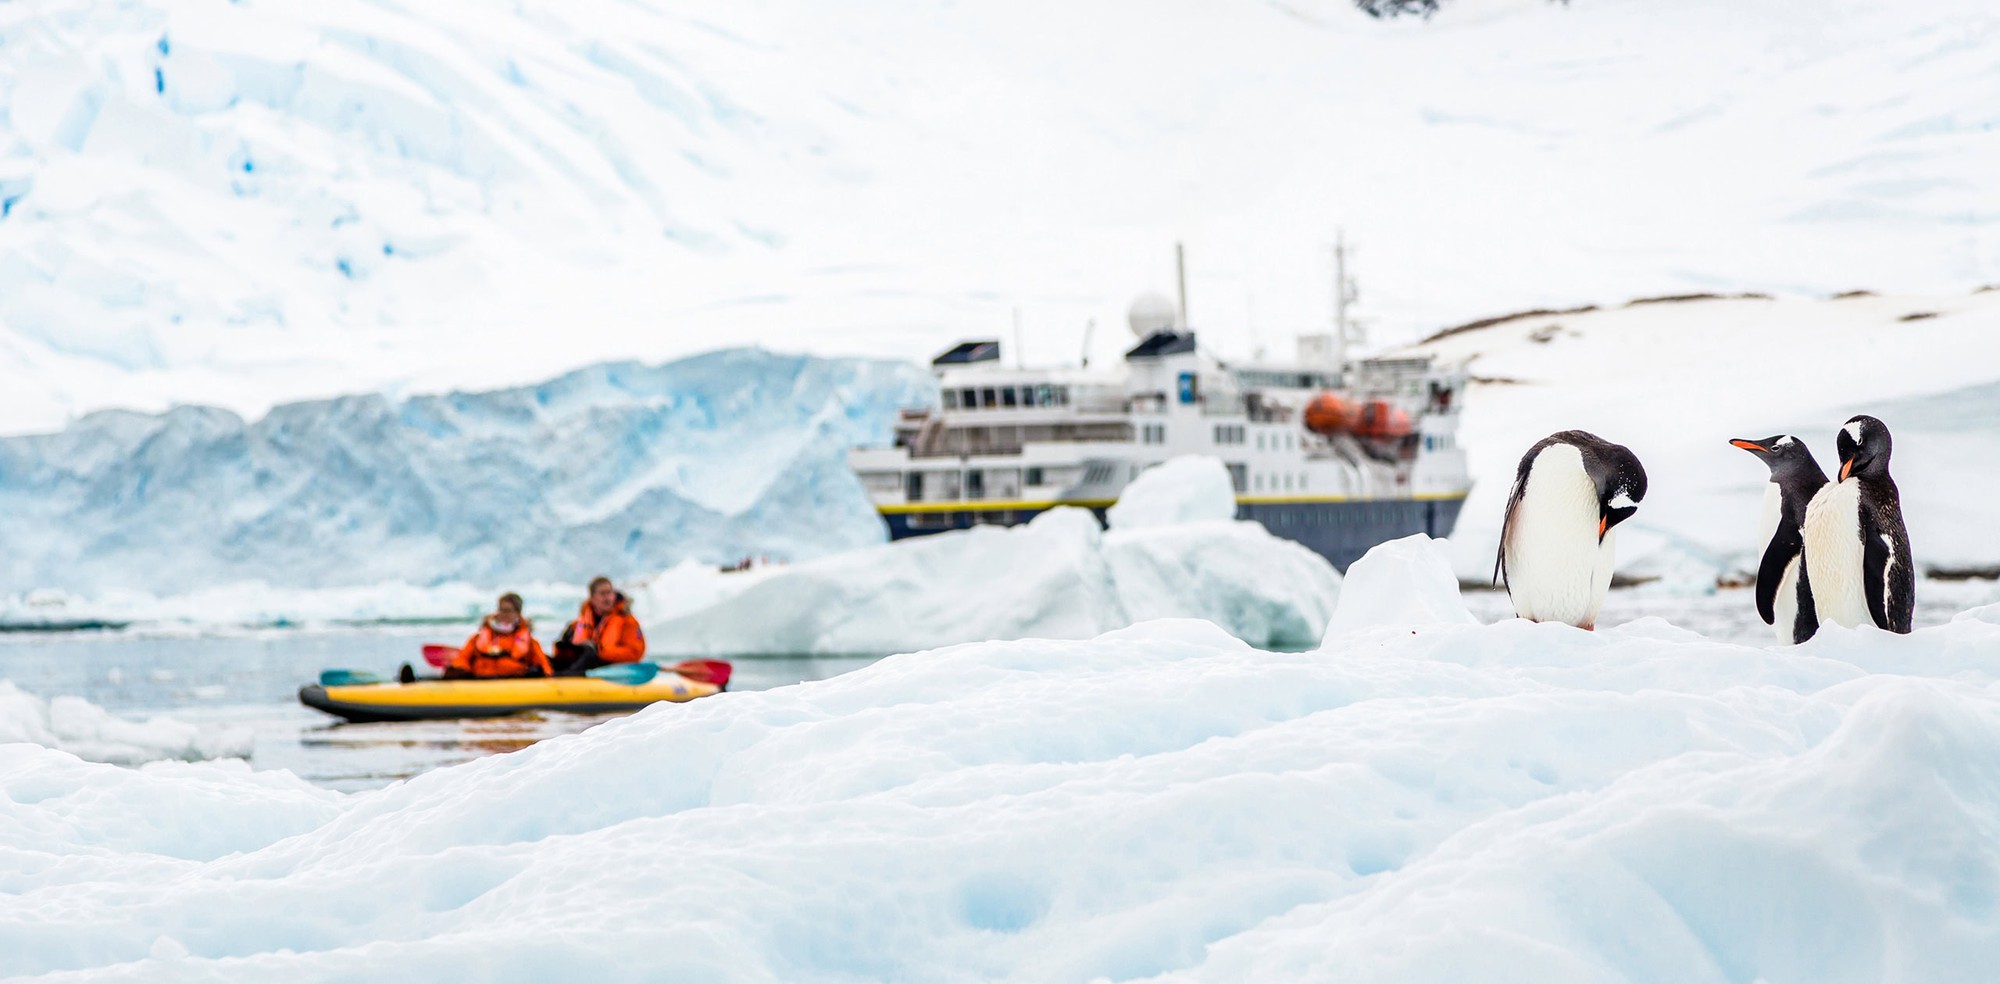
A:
1784	594
1857	552
1556	540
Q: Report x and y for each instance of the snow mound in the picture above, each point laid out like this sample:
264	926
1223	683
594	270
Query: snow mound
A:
1510	801
614	469
1186	489
1058	576
1722	368
1401	583
89	732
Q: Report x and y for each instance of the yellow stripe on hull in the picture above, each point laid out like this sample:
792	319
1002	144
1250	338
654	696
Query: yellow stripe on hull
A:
484	698
997	505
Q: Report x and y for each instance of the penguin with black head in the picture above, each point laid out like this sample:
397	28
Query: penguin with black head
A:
1857	550
1784	592
1558	539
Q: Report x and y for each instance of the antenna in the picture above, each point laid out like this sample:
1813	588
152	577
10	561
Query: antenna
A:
1089	328
1019	354
1180	274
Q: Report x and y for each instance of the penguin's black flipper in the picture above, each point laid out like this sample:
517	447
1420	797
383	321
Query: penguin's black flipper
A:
1875	557
1887	577
1513	500
1786	543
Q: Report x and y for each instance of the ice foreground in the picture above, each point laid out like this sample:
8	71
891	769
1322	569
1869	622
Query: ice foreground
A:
616	468
244	204
1423	799
1173	550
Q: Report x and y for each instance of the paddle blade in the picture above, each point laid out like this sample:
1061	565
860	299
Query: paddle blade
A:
626	673
437	655
713	671
348	678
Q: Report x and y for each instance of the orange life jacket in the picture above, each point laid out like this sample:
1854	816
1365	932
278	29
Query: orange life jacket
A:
492	653
617	635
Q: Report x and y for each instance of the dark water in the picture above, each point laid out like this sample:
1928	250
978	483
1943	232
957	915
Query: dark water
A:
251	680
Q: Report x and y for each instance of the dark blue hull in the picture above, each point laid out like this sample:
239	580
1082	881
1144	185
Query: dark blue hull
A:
1339	531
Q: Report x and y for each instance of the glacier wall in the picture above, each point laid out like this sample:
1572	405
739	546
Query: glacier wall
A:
616	468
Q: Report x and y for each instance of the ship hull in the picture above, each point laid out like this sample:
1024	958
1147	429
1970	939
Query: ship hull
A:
1339	530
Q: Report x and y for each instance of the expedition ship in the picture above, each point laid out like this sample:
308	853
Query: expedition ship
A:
1336	455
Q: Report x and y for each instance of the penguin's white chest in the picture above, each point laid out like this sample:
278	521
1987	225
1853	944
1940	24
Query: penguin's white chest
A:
1785	607
1557	570
1833	554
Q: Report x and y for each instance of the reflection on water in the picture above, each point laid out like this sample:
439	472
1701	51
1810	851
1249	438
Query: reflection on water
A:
251	680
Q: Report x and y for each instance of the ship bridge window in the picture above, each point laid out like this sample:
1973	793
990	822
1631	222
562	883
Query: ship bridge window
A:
988	398
1033	476
1007	396
968	398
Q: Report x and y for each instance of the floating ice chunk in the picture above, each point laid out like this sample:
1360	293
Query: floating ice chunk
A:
1402	583
88	731
1059	576
1187	489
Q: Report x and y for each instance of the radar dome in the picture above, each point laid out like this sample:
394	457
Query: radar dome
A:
1150	313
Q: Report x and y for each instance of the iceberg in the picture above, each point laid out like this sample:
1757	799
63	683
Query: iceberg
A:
1172	551
611	469
1156	803
83	729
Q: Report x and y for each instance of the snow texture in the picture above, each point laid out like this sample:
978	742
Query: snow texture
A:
247	204
89	732
1401	583
1160	803
615	469
1056	577
1675	380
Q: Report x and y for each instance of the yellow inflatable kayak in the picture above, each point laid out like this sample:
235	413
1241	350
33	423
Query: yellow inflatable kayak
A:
391	701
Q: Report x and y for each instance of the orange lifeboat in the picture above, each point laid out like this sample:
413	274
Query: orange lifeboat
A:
1328	414
1381	420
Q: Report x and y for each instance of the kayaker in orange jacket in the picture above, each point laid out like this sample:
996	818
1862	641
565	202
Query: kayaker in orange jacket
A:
604	632
504	646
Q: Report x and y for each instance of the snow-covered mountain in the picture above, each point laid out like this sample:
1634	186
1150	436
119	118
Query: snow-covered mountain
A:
247	204
620	468
1674	380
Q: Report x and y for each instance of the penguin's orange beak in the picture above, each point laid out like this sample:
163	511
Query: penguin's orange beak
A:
1603	523
1845	467
1749	445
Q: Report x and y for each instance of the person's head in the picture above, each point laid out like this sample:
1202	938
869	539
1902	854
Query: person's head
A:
507	611
603	596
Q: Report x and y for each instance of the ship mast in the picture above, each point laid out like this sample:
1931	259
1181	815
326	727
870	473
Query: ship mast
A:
1344	293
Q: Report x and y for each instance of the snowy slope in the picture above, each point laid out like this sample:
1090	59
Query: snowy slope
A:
1159	803
618	468
1674	381
244	204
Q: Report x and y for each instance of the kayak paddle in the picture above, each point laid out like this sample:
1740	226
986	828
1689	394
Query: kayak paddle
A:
437	655
632	674
713	671
349	678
